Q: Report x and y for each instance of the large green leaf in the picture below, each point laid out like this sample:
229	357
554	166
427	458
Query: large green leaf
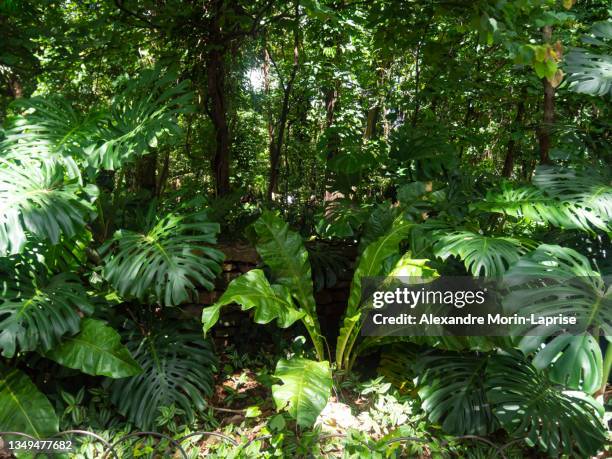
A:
589	188
528	405
37	313
168	262
590	72
371	263
284	252
574	360
36	198
482	255
95	350
429	153
341	218
52	129
329	262
23	408
555	280
252	290
534	204
144	112
178	368
453	393
305	389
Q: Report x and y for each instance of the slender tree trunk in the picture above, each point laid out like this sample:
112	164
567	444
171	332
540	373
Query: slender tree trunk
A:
544	131
510	152
218	113
370	130
146	167
276	147
163	175
417	94
266	77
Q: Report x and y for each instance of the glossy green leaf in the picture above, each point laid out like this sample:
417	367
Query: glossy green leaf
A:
482	255
23	408
370	264
284	252
36	313
144	112
36	198
453	393
167	263
555	280
95	350
588	188
535	205
177	368
590	70
252	290
575	361
528	405
305	389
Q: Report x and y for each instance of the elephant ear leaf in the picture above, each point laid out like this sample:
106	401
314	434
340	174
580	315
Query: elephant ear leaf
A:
305	389
283	251
23	408
528	405
252	290
371	263
96	350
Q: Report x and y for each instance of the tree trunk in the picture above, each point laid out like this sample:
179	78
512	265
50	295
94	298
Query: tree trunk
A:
276	147
370	130
163	175
331	106
266	77
146	167
510	153
218	114
549	110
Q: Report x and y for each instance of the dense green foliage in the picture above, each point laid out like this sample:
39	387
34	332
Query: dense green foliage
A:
343	140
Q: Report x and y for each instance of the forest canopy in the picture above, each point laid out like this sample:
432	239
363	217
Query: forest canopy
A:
174	171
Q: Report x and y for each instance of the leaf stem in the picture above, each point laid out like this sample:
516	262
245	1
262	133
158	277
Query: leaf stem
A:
607	366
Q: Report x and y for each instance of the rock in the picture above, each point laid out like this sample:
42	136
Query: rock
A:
336	417
240	253
192	310
205	297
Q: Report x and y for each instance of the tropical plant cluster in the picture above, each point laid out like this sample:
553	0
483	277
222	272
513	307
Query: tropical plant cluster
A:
433	137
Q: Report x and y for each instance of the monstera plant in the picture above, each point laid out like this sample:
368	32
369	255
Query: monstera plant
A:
55	277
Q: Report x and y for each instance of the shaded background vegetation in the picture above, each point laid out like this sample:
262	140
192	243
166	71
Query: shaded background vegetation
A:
438	136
